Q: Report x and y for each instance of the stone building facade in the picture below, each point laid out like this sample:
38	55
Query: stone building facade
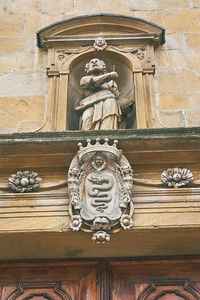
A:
145	243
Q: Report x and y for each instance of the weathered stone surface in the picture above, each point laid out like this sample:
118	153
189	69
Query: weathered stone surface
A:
17	44
193	118
174	41
196	99
50	19
7	62
180	59
171	119
156	17
196	3
23	85
12	25
25	60
181	20
6	6
32	25
92	6
44	6
178	81
110	5
29	126
157	4
21	108
174	101
193	40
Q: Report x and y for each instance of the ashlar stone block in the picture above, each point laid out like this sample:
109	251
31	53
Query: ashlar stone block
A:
178	81
15	109
196	3
92	6
157	4
43	7
12	25
195	98
193	118
174	101
13	85
193	40
174	41
180	59
8	44
32	25
181	20
117	5
6	6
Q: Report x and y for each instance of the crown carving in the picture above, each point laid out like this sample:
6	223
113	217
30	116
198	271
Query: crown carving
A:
99	147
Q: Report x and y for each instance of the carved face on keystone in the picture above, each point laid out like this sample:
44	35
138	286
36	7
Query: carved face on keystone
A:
95	66
100	41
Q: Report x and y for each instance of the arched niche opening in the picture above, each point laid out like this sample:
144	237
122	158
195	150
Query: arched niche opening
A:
113	61
130	46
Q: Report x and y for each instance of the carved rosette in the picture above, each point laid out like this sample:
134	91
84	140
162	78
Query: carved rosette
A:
100	181
177	177
24	182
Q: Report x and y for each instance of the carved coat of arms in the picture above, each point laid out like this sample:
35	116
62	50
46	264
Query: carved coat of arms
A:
100	181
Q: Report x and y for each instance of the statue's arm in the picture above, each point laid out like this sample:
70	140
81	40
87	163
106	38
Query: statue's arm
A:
91	82
99	80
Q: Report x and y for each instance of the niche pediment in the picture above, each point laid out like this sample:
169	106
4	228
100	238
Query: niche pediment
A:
84	29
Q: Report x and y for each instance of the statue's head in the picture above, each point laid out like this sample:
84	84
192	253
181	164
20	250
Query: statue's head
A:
95	66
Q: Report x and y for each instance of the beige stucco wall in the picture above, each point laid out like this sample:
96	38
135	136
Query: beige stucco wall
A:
23	79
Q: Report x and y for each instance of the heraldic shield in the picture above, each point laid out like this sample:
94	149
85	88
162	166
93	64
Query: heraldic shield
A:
100	181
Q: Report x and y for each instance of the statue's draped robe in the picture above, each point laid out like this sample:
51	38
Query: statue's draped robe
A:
100	108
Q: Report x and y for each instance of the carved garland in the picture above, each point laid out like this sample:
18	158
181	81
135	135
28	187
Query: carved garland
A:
28	181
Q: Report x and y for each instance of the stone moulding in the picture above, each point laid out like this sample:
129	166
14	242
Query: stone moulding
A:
100	181
185	178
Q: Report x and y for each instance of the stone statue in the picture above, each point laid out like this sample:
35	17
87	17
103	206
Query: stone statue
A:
99	108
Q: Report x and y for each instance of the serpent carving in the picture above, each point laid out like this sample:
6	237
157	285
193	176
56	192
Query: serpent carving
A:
99	191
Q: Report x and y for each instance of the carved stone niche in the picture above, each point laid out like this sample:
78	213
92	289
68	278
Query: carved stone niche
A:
125	44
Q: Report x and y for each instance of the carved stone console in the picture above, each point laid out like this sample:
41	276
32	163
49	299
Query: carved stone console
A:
124	43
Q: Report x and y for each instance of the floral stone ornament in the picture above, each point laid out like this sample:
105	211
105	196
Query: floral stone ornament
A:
100	181
177	177
24	182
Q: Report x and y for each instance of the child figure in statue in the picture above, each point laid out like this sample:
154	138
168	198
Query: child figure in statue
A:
100	108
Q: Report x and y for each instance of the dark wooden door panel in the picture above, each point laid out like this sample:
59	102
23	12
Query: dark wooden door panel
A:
158	279
172	279
51	281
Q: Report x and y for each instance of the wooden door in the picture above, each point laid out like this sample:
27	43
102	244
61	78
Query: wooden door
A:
172	279
114	279
50	280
